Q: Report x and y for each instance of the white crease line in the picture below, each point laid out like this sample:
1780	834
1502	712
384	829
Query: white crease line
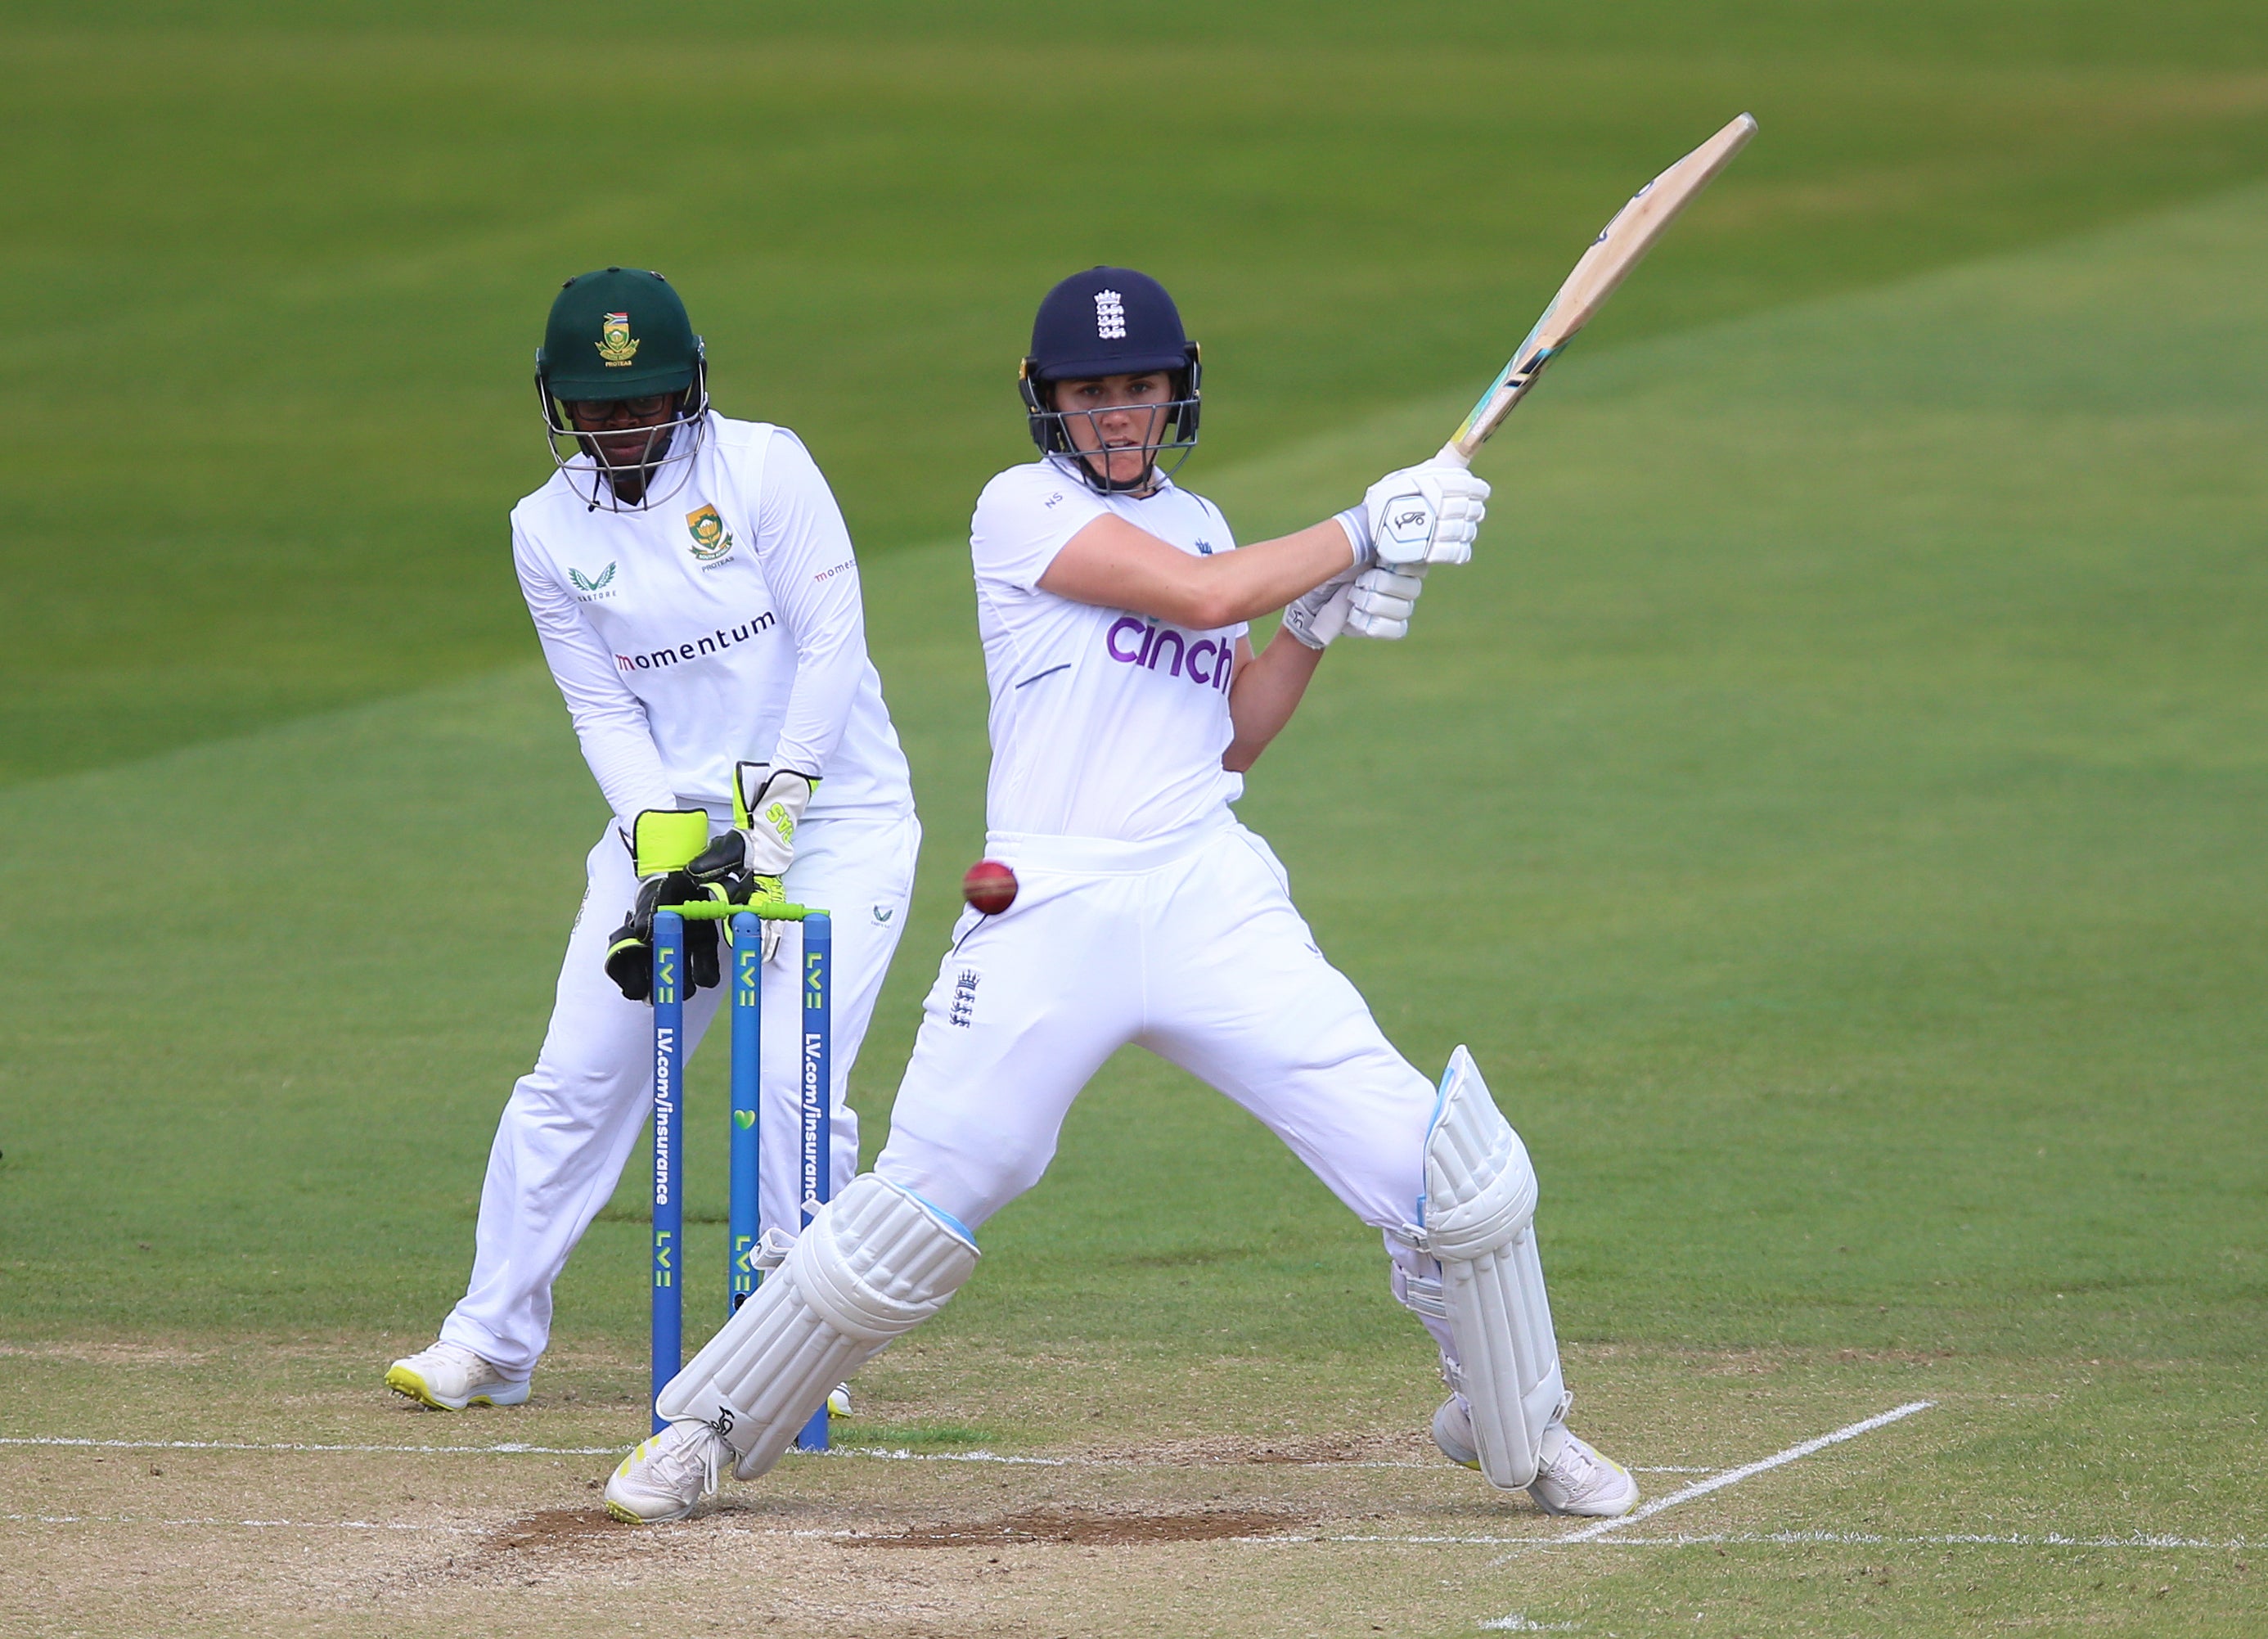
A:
1948	1539
1786	1538
509	1447
1775	1539
248	1524
901	1455
512	1448
1749	1471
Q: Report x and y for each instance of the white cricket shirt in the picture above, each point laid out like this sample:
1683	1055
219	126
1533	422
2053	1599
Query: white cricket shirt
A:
1104	723
721	624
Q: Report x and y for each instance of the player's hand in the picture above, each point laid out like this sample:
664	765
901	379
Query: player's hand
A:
1317	618
1427	514
1368	602
752	890
629	948
1381	601
767	805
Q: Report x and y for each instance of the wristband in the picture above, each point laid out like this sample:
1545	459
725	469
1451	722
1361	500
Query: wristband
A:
1356	522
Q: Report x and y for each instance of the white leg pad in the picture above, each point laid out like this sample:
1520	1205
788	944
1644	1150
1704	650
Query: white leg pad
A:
874	1263
1475	1221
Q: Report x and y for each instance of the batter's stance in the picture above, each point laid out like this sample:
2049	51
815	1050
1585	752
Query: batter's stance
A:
697	598
1126	705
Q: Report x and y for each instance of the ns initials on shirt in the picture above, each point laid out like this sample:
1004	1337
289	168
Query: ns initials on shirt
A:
1204	662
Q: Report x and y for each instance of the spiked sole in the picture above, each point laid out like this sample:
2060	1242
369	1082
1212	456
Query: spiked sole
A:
629	1516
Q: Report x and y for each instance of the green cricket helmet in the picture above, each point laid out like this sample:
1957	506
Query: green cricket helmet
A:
622	333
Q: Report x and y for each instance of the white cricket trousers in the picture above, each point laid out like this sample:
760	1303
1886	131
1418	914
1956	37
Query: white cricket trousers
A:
570	1122
1190	946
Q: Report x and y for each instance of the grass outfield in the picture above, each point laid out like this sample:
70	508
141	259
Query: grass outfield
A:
1833	807
271	400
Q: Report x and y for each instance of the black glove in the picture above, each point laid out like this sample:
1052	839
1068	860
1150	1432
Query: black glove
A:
629	948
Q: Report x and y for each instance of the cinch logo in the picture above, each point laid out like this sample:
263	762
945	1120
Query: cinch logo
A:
1110	316
716	643
1206	662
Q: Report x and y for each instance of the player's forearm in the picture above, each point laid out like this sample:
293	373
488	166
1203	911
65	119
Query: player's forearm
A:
610	721
819	704
1261	579
1266	690
813	572
1115	564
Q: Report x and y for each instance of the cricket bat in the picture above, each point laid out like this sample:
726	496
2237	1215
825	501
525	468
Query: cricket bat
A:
1620	246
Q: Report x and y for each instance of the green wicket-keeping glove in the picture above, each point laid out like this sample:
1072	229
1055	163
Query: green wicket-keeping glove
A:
748	861
663	841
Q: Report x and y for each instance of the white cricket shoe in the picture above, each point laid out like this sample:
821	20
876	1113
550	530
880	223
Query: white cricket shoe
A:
449	1377
1453	1432
667	1476
1575	1477
838	1400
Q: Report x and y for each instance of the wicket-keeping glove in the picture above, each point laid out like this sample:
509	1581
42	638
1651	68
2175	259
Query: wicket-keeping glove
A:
749	889
662	841
768	804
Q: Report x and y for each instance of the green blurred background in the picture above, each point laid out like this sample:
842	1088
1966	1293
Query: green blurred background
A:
1831	806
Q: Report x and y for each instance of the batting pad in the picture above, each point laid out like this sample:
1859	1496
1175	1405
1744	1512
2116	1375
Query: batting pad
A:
873	1265
1476	1222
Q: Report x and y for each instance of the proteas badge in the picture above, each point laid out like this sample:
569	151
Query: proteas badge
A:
711	540
616	346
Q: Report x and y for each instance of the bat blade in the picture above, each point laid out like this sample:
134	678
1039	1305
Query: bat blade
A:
1619	247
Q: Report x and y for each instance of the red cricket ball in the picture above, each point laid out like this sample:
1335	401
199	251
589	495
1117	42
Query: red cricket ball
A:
990	887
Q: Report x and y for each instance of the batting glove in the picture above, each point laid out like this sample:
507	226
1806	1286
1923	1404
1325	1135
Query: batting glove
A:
1368	602
1320	615
1427	515
1382	601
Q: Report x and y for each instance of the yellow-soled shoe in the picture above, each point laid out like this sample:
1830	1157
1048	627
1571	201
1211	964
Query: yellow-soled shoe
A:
448	1378
669	1474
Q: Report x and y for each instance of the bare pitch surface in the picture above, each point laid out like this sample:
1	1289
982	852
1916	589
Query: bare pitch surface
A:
370	1518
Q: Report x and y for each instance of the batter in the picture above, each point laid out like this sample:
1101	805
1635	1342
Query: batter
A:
1127	704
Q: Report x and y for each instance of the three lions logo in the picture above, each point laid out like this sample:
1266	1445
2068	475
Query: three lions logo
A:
711	540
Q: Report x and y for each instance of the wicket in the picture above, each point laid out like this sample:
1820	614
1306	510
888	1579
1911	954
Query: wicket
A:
745	1133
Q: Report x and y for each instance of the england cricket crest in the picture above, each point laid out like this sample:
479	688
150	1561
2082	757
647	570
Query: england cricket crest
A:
711	540
617	347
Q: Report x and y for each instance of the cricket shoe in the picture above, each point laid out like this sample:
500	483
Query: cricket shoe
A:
838	1401
449	1377
1573	1478
667	1476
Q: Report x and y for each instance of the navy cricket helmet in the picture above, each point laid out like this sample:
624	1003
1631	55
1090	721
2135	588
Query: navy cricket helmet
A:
1109	321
